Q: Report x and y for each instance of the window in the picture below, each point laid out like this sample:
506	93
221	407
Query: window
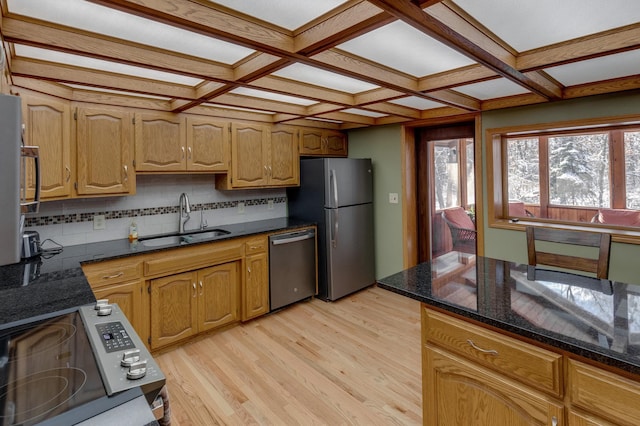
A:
567	175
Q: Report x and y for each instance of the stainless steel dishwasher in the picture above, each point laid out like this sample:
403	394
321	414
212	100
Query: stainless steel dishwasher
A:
292	267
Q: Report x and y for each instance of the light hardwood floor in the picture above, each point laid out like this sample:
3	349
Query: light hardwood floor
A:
355	361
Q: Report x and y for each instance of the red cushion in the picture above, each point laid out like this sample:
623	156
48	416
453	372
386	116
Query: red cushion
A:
516	208
459	218
619	217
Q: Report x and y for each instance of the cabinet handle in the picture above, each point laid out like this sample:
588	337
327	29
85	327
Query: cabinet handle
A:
195	293
126	173
182	152
270	171
249	269
189	150
484	351
110	277
68	173
201	288
554	421
266	170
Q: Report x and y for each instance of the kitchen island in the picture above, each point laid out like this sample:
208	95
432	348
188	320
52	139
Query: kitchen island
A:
500	349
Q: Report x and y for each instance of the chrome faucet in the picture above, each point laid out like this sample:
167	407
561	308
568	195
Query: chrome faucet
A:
185	209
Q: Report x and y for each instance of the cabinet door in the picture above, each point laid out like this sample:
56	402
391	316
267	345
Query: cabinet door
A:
311	142
218	295
255	297
128	296
249	155
577	418
284	167
207	145
104	140
174	304
48	126
160	143
457	392
335	144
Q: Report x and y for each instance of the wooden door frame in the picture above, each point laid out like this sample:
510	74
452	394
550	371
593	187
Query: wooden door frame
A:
409	184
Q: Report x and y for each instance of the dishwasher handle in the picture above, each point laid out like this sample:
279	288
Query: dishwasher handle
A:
292	238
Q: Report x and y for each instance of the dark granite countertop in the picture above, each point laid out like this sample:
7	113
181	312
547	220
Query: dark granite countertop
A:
56	282
587	322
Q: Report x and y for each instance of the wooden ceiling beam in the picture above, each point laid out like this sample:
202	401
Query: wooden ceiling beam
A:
477	50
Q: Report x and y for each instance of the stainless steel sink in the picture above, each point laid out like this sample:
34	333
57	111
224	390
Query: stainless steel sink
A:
174	240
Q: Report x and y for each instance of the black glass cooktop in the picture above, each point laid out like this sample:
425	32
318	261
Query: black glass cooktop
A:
46	368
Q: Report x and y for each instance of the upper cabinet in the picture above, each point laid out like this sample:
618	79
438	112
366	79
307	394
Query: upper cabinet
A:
323	143
104	142
262	157
160	142
48	125
175	143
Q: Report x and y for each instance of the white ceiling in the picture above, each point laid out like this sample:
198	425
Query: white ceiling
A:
332	61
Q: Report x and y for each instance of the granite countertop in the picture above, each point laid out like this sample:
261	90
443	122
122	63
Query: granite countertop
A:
590	323
55	282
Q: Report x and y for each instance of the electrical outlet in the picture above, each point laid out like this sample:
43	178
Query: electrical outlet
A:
241	207
393	197
270	205
99	222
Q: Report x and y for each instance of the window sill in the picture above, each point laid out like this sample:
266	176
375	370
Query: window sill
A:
618	235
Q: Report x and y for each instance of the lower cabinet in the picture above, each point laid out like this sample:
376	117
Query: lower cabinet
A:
458	392
130	299
255	297
185	304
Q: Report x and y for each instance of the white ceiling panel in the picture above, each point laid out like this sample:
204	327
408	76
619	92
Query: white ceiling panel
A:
497	88
322	78
608	67
272	96
364	112
116	92
98	64
402	47
289	14
417	103
528	25
111	22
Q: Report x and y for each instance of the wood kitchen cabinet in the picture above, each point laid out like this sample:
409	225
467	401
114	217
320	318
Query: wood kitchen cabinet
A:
160	142
323	143
208	145
189	303
262	158
255	292
104	144
47	124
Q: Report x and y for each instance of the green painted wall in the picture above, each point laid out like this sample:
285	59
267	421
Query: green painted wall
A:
511	245
382	145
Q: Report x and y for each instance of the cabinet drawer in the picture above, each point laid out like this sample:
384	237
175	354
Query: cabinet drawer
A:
526	363
112	271
607	395
256	245
189	258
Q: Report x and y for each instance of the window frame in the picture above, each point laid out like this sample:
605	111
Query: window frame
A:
497	173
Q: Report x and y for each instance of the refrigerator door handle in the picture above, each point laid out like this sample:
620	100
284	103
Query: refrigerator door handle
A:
334	178
32	206
334	228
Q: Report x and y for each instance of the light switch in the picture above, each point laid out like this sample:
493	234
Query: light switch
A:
393	197
241	207
270	205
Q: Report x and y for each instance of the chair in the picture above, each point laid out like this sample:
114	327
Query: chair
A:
463	230
622	217
599	266
517	209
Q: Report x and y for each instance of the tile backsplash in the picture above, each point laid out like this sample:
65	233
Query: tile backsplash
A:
154	208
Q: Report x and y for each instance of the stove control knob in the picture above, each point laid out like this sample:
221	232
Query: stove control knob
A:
105	310
100	303
137	370
129	357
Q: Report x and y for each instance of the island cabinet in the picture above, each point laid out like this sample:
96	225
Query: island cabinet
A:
104	145
323	143
255	292
262	157
473	375
47	124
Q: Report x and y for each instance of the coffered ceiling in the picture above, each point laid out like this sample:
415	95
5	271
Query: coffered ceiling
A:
333	63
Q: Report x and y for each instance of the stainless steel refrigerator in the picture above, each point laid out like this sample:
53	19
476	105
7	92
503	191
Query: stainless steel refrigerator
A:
337	194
